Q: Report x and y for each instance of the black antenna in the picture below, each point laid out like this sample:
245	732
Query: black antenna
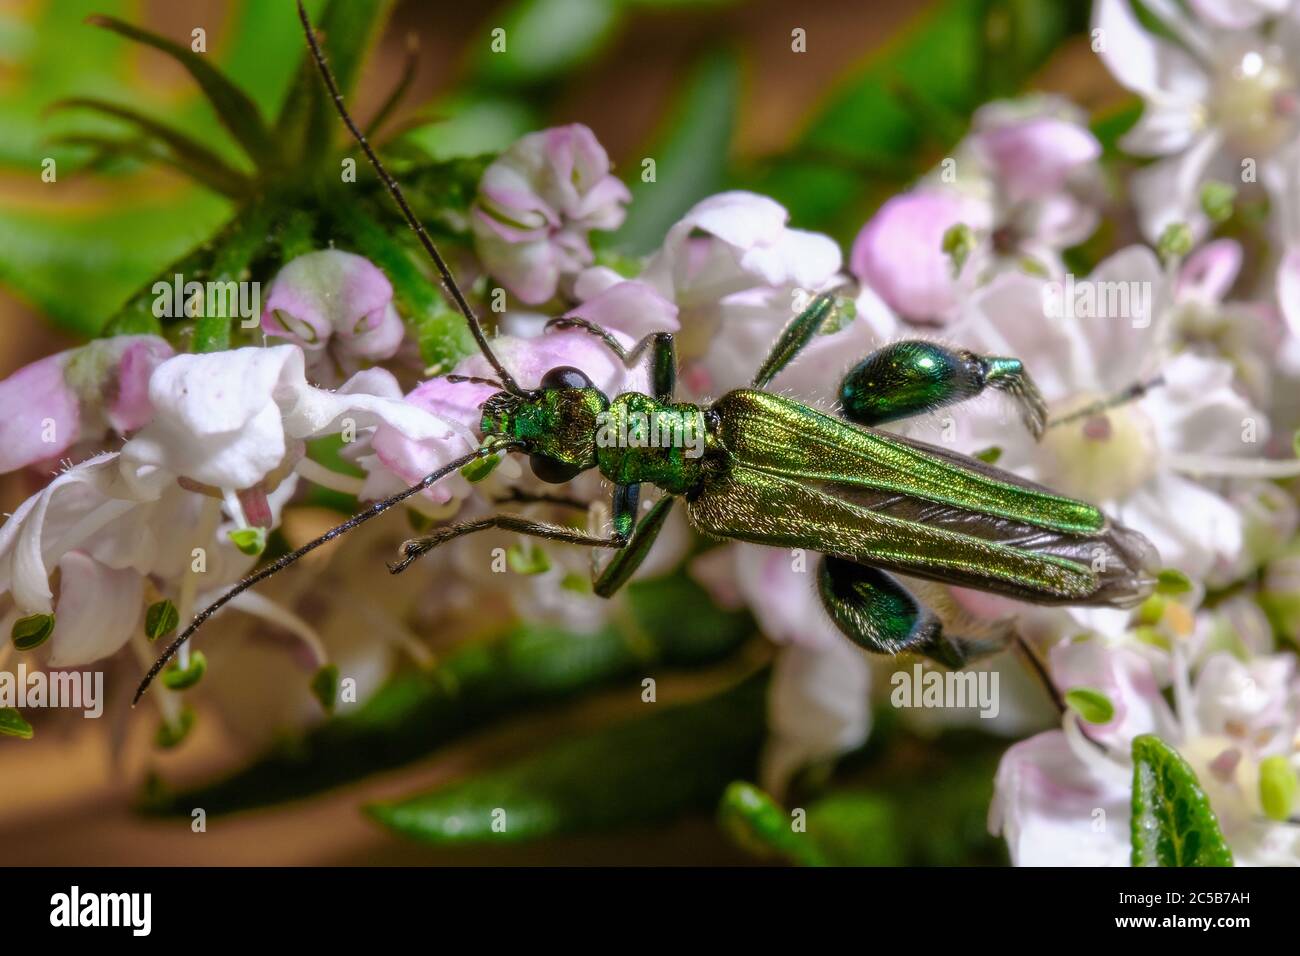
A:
378	508
448	280
473	380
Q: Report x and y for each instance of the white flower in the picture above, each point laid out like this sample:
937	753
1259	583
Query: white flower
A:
228	420
226	434
1061	799
537	202
339	307
1214	101
818	707
1137	459
736	273
1025	182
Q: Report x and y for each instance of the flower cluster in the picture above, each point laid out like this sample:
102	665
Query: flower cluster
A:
163	474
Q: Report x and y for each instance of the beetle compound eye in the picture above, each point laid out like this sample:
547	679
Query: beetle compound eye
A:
551	471
565	376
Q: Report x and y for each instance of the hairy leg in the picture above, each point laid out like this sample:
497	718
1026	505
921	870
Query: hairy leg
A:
912	377
416	548
798	332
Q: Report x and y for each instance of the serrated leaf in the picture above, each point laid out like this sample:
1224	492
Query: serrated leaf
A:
1172	823
641	771
12	724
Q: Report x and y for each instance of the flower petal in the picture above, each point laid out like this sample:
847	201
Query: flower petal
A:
899	253
40	416
1046	805
98	610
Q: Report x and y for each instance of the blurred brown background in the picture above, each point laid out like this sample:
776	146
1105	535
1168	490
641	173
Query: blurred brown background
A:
59	803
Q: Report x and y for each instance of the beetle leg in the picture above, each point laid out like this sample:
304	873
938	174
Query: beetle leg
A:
624	563
416	548
663	370
914	376
797	333
876	612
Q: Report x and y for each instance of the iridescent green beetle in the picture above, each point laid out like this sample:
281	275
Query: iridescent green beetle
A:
775	472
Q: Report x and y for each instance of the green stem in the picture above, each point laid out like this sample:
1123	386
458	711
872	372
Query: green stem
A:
235	250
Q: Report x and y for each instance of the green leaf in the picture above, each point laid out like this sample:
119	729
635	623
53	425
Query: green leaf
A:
161	619
480	468
325	687
1173	823
671	623
1172	582
183	678
105	253
1175	242
32	631
1277	787
249	541
172	734
237	246
545	38
527	559
346	30
471	124
690	155
990	455
1217	199
759	824
188	154
958	243
639	772
12	724
236	110
1090	704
